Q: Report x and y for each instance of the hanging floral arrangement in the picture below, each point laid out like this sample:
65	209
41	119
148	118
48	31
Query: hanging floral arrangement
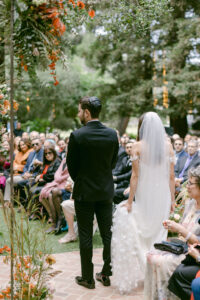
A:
39	28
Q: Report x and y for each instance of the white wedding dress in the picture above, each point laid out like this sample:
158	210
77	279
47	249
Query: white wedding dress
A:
135	232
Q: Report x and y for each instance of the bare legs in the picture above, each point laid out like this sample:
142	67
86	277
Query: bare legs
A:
69	212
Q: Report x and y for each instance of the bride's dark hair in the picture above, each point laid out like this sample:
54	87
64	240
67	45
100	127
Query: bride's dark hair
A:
141	118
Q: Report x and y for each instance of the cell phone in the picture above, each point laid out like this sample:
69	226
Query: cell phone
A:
197	247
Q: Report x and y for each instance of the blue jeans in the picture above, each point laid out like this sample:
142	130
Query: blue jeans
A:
196	288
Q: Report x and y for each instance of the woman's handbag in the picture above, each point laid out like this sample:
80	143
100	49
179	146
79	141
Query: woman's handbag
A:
175	246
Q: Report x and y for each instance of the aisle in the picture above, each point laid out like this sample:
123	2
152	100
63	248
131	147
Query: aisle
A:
66	268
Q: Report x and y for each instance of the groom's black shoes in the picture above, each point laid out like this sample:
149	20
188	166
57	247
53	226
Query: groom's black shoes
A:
105	280
90	284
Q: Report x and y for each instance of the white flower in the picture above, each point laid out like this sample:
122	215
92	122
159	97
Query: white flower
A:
40	2
177	217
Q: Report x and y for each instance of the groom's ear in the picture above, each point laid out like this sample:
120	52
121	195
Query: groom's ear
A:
87	114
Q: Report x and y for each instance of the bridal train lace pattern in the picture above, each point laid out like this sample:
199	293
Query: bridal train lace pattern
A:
127	257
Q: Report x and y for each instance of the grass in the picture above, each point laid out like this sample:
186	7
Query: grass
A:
52	244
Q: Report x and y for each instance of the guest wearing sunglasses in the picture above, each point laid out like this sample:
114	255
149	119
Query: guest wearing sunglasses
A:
32	167
51	163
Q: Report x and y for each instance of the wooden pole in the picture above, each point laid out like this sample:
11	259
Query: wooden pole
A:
11	143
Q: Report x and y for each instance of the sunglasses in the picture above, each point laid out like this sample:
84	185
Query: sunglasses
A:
48	153
189	183
36	144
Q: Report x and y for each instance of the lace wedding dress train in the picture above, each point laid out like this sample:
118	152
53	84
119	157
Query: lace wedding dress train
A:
135	232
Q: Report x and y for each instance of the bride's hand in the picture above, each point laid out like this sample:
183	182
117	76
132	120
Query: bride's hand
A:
128	206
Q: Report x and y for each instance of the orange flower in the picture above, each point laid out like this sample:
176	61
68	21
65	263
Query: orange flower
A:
31	285
52	12
8	290
91	13
73	3
1	296
6	248
59	26
3	112
15	105
25	68
1	96
62	28
6	104
61	5
1	250
28	108
50	258
56	83
18	266
52	66
80	4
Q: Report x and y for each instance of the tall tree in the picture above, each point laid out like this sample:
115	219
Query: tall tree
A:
179	37
125	48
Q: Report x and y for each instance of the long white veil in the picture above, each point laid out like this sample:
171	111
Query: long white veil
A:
152	195
135	233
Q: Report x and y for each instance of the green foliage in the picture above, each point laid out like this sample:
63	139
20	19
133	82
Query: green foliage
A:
125	48
134	16
40	125
57	105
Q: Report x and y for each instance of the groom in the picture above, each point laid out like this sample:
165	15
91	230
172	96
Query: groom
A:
92	154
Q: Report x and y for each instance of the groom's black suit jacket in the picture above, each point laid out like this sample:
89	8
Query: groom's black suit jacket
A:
92	154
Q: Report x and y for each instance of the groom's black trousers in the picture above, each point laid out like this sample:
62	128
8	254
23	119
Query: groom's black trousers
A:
85	215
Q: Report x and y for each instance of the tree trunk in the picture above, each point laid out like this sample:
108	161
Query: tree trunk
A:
122	125
2	58
179	125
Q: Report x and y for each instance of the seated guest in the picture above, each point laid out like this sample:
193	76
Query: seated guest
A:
196	288
35	159
4	164
50	165
175	136
180	153
121	154
32	167
62	149
24	149
34	135
124	139
5	137
69	212
42	138
123	175
50	196
191	161
161	264
25	135
181	281
17	139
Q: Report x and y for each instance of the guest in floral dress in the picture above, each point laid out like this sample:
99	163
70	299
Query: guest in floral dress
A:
161	264
4	164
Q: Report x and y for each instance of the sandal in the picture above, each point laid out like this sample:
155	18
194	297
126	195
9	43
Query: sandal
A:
68	238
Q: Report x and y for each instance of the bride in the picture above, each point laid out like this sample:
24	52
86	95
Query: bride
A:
138	225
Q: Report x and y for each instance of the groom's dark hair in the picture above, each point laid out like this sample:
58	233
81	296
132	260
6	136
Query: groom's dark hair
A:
93	104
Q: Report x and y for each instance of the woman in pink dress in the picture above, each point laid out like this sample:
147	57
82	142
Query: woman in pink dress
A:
49	196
